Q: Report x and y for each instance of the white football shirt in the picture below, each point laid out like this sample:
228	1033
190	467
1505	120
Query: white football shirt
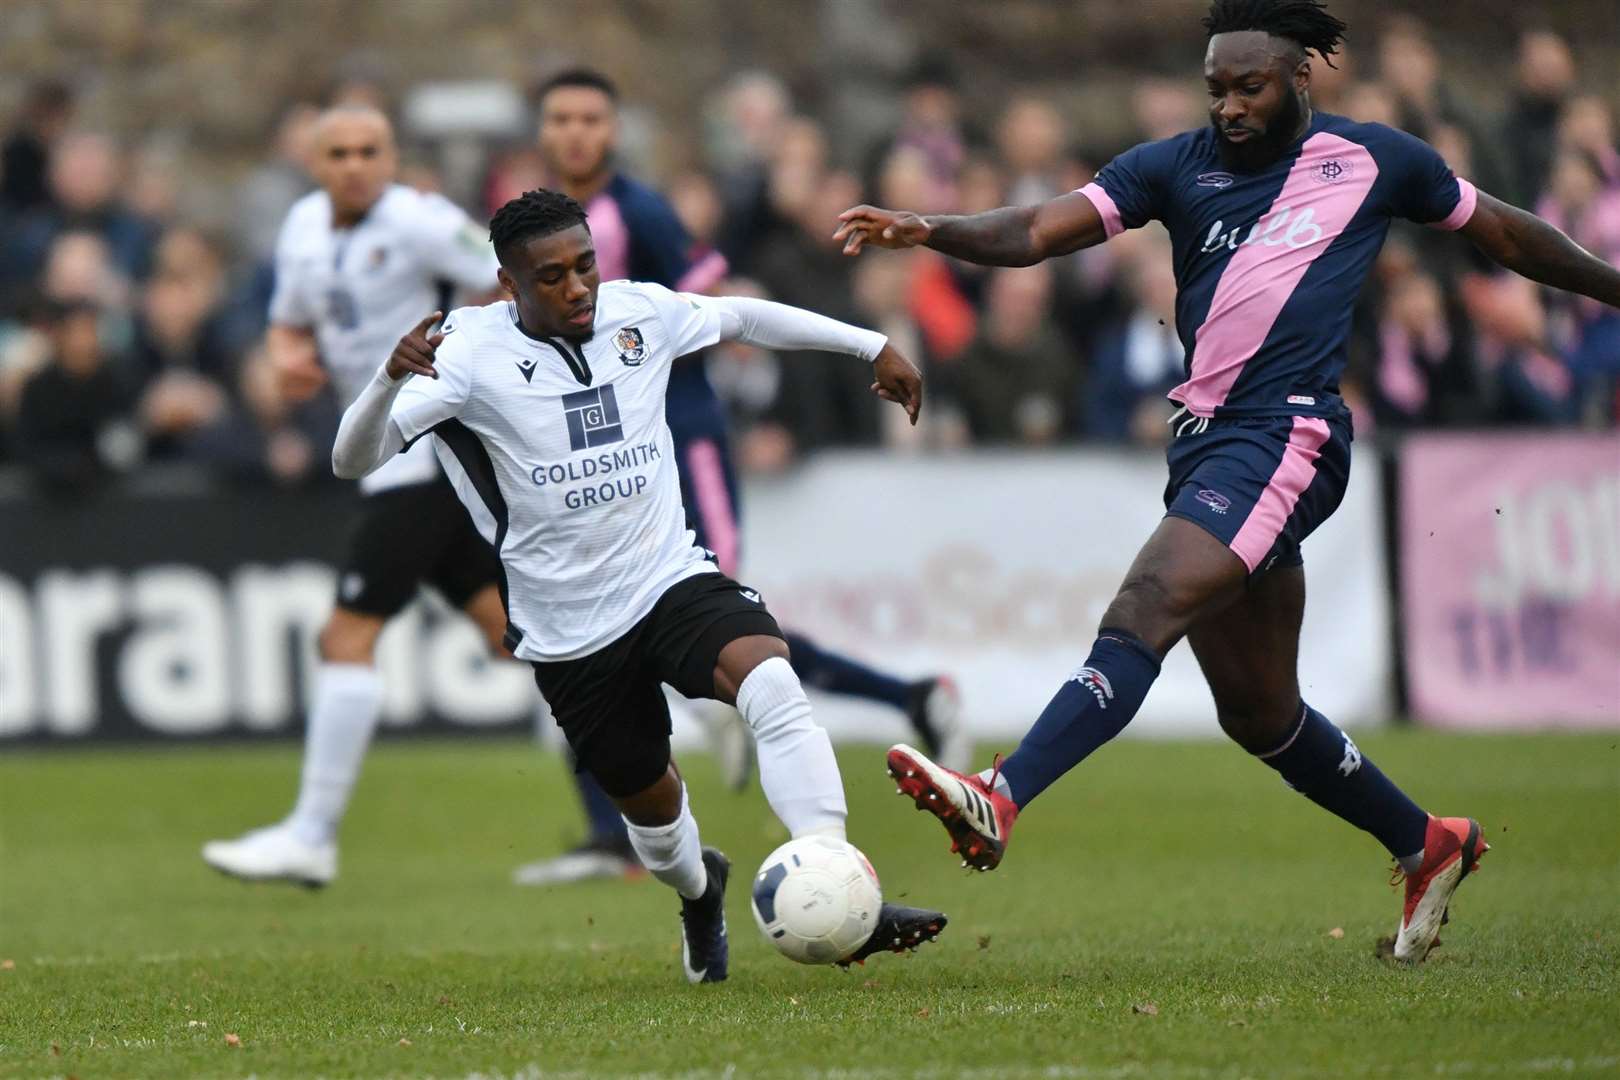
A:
561	453
361	288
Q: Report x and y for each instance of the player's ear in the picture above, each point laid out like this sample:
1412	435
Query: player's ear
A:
1302	75
506	281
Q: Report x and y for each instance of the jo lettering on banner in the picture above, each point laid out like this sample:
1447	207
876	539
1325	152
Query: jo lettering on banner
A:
1511	579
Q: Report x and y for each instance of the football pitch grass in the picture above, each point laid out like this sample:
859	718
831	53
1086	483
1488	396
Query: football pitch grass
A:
1169	910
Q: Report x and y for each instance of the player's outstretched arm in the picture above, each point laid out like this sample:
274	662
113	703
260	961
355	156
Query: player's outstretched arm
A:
1530	246
365	437
1010	236
780	326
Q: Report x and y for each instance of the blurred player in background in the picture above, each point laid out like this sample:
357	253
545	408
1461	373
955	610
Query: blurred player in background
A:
548	412
638	236
357	263
1277	213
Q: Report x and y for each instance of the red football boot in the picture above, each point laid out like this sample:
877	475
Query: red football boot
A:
1452	848
977	818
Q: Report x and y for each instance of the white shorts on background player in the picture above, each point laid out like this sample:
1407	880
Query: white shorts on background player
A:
361	287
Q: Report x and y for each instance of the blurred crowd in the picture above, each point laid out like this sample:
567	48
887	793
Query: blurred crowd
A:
129	335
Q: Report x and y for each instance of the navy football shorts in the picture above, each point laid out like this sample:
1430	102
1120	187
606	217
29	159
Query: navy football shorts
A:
1259	485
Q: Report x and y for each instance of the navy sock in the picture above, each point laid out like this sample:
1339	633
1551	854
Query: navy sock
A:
1321	763
836	674
1092	707
606	822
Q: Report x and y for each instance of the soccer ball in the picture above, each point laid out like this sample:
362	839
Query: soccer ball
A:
816	899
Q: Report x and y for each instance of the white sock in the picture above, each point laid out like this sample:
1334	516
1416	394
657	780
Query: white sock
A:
996	782
348	698
673	852
796	764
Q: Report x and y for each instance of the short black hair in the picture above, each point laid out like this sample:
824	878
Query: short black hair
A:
1307	23
533	213
587	77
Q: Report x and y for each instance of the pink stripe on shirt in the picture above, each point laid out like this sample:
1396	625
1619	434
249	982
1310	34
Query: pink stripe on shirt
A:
612	237
706	473
1112	225
1320	196
1294	474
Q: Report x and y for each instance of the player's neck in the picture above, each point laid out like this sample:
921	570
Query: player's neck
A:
549	337
583	191
1307	118
346	218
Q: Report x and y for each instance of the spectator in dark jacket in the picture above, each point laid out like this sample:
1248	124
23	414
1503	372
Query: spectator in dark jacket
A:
73	420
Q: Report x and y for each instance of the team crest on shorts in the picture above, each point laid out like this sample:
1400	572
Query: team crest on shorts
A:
632	348
1215	501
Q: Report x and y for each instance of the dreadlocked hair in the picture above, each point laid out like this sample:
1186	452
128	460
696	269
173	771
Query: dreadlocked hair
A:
1307	23
533	213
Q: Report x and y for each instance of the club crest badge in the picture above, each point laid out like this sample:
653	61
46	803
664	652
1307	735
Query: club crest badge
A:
1333	171
632	347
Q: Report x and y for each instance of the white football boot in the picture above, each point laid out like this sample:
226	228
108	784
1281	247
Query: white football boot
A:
274	854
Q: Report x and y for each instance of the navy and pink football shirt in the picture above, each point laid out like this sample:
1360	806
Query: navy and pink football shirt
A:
1268	264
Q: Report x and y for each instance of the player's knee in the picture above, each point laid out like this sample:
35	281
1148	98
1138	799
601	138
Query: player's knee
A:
1154	606
738	660
655	805
348	639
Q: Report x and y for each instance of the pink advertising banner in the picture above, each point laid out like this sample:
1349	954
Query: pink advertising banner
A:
1510	571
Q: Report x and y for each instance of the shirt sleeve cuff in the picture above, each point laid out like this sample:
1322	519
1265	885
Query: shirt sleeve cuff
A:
1112	225
1467	199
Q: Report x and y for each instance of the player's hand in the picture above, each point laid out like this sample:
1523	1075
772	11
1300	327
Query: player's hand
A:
899	381
296	364
413	355
862	225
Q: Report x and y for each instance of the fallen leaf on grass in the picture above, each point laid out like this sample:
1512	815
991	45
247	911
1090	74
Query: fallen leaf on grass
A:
1336	933
56	1051
196	1023
1147	1008
792	1000
7	965
233	1039
869	984
404	1042
924	1013
984	941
